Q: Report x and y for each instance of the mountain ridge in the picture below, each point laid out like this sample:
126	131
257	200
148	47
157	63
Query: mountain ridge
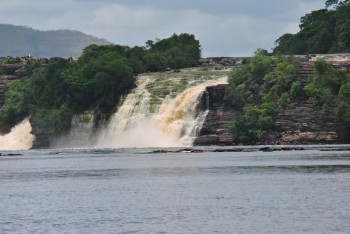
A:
23	41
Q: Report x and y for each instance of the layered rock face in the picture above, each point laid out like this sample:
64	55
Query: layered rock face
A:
221	113
298	124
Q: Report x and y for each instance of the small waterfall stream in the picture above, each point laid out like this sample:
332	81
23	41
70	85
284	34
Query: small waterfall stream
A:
19	138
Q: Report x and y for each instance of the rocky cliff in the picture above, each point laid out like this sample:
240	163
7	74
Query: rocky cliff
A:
297	124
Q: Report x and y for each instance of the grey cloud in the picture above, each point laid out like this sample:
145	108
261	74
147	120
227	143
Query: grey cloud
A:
224	27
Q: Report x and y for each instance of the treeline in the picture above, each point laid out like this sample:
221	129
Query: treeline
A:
322	31
51	94
265	85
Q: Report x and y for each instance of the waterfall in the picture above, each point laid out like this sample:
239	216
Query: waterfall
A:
160	112
164	110
19	138
81	134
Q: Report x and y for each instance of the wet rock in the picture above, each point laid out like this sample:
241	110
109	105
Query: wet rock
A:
10	154
310	137
221	112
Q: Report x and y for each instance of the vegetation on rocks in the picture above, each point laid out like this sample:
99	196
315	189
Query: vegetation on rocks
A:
261	89
329	88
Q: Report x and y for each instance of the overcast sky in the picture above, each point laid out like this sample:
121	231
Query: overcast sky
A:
223	27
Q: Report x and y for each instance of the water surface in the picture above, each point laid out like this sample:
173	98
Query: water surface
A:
132	191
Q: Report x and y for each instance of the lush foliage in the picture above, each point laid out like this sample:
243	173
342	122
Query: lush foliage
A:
330	86
322	31
175	52
261	89
52	94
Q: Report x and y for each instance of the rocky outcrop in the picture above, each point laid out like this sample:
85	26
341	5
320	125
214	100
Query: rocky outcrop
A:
221	112
42	138
299	123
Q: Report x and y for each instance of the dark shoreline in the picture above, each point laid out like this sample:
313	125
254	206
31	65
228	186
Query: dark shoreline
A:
262	148
177	150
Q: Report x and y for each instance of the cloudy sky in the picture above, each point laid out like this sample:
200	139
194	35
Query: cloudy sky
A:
223	27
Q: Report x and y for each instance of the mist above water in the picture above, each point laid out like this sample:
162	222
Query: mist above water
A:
145	133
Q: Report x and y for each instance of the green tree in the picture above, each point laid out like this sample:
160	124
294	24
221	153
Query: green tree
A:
337	3
260	89
322	31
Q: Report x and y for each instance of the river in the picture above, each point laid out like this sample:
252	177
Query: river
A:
139	191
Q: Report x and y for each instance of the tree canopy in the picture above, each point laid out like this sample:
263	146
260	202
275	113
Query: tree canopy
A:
322	31
337	3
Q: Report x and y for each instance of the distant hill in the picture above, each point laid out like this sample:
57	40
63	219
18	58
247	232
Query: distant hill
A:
22	41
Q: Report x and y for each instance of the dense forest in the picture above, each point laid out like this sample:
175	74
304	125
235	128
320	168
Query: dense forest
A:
22	41
53	92
321	32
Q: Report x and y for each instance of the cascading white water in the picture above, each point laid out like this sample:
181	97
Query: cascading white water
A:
180	117
19	138
149	120
81	134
